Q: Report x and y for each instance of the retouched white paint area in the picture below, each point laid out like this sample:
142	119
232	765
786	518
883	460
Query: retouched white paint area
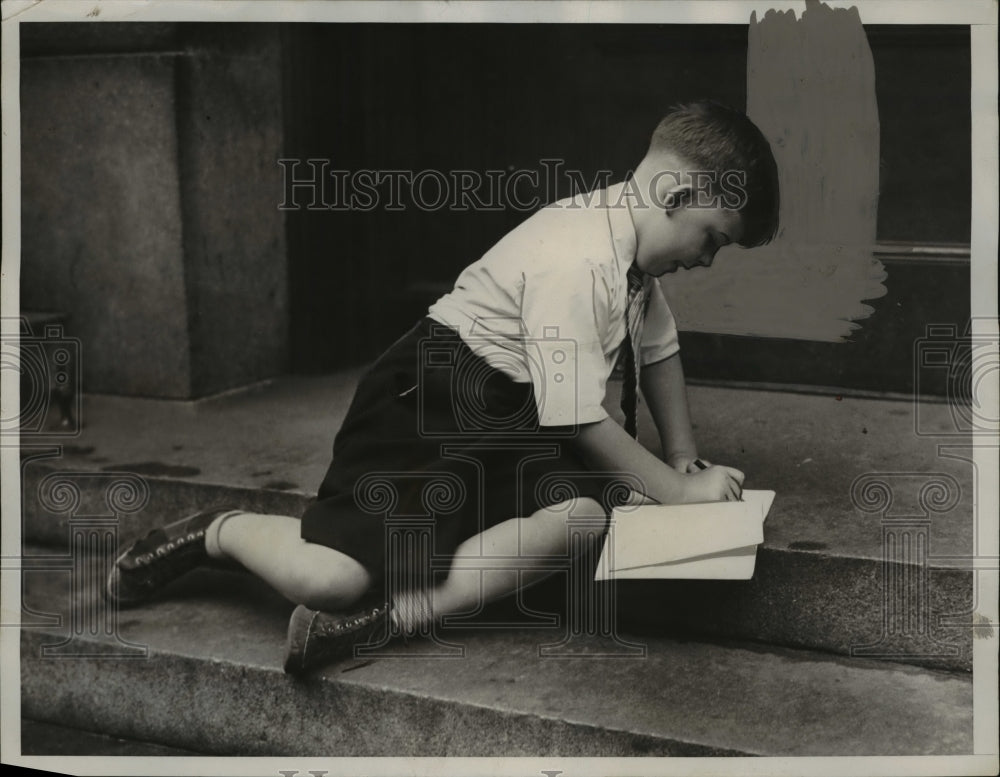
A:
811	90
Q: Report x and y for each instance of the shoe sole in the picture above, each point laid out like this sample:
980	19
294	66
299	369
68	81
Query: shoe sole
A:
111	588
297	640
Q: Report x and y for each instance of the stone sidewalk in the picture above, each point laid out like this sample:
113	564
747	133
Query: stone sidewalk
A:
817	654
819	581
200	669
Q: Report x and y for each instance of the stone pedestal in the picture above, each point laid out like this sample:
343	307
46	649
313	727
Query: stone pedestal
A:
149	201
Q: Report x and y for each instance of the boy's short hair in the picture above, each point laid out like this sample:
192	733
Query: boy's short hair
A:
716	138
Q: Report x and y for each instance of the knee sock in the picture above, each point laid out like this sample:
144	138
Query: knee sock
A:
212	546
411	611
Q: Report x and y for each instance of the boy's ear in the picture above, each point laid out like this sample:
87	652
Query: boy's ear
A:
673	195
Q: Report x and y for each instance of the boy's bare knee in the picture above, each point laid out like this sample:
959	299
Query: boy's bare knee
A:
551	530
585	506
579	507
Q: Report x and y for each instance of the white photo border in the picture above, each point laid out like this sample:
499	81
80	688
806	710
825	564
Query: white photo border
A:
980	15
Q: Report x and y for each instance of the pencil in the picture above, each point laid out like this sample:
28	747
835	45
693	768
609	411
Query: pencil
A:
702	465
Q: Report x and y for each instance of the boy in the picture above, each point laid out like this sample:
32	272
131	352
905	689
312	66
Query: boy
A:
469	417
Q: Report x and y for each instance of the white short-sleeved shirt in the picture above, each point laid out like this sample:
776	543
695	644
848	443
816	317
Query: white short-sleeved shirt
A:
547	303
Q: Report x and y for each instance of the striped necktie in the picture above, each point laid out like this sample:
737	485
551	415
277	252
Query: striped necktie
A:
634	314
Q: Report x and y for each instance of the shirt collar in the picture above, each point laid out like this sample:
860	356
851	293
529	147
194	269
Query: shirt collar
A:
620	222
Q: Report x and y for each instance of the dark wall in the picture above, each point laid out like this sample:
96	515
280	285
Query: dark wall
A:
482	97
923	77
448	97
192	149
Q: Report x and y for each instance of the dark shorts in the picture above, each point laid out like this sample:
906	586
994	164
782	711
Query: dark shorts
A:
436	447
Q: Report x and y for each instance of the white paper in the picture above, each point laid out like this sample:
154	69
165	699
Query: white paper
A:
716	540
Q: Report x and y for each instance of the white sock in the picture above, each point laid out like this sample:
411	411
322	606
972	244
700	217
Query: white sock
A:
411	611
212	546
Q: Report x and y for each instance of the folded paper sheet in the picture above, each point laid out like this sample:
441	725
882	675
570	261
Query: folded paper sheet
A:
716	540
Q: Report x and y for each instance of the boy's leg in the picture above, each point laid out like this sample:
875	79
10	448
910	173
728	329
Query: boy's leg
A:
519	550
506	557
271	547
501	560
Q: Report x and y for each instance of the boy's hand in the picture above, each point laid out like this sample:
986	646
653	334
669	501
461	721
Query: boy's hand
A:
685	463
715	484
690	466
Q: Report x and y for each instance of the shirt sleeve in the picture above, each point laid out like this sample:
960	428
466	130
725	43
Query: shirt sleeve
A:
659	330
565	309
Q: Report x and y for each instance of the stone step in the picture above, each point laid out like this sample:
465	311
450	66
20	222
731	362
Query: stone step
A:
827	577
200	669
50	739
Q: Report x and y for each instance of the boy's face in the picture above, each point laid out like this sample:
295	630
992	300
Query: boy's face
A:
680	236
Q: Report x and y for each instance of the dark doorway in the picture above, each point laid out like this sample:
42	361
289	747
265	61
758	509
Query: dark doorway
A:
445	98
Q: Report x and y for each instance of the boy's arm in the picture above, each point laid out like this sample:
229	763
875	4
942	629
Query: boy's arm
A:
665	393
609	448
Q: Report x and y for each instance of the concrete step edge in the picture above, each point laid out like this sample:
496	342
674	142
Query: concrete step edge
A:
797	598
41	738
200	668
205	733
